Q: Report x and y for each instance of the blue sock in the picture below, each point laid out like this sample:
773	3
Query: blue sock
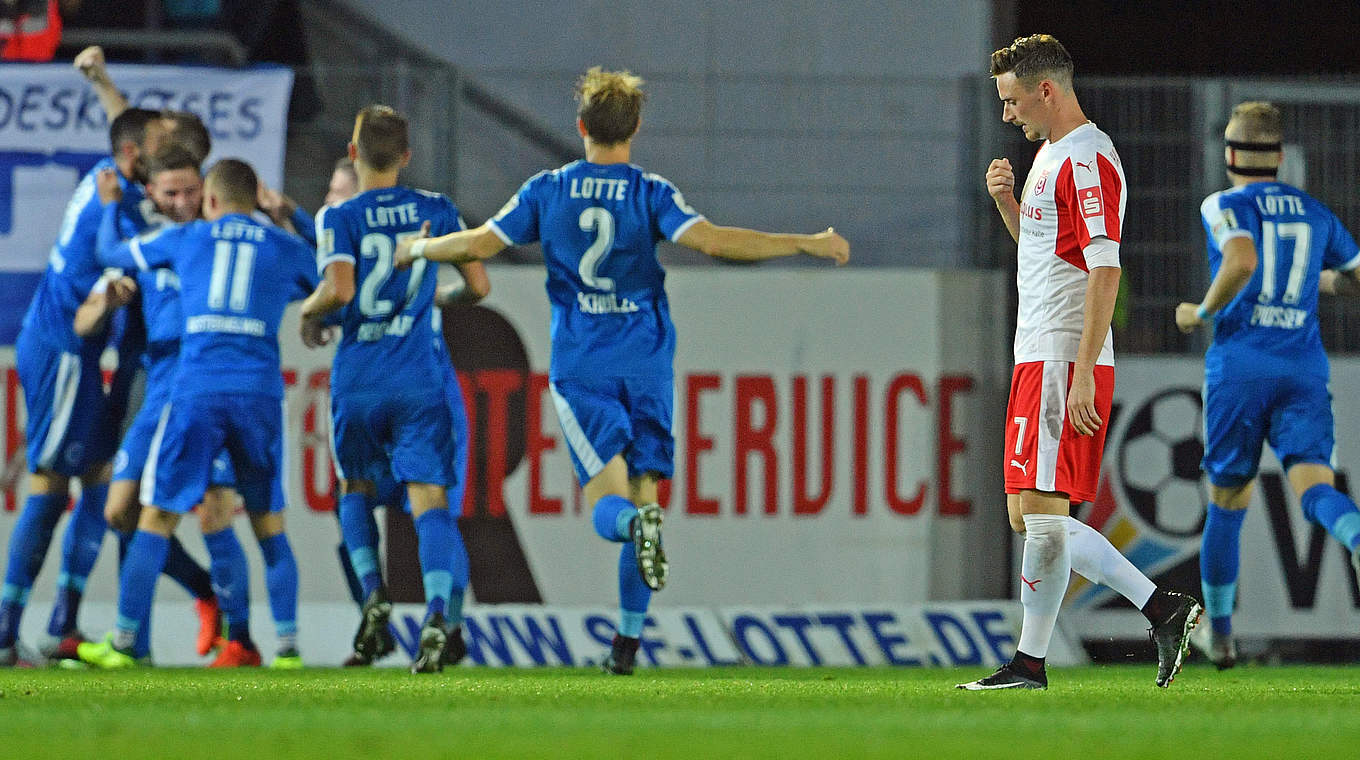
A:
461	574
124	540
230	576
1218	564
185	570
611	517
281	577
634	595
1330	508
27	549
141	646
360	531
437	537
137	584
79	551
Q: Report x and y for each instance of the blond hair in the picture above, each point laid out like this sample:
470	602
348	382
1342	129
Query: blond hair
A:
1256	121
610	104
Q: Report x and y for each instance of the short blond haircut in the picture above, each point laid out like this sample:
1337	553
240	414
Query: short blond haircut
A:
610	104
1256	121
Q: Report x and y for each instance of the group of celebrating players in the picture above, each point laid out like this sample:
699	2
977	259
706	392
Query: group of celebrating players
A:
192	274
188	275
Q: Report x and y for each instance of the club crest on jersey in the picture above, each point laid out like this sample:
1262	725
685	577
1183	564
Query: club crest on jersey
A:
1090	202
1039	185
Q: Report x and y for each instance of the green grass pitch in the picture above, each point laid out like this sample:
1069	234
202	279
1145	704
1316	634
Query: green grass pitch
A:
1094	712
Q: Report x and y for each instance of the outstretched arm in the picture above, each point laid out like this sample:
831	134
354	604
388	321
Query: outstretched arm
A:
90	62
1239	263
458	247
740	244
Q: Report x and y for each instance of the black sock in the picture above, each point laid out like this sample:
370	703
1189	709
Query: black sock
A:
1159	607
1027	665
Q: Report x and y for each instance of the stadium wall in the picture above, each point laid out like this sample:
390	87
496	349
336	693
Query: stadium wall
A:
774	114
836	447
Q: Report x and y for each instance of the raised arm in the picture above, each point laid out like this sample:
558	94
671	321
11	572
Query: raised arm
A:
740	244
1001	186
90	63
1235	271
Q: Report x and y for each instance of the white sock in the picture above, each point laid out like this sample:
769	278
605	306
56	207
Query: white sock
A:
1045	570
1095	559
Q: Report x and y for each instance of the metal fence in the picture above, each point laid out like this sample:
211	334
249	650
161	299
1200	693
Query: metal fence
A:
1169	134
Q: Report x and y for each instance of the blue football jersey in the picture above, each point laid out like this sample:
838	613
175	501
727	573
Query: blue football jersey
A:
1271	328
236	278
386	329
158	287
72	265
599	225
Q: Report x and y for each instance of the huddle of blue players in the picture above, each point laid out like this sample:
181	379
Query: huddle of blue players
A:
213	290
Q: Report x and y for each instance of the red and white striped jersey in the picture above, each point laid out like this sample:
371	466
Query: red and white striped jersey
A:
1074	192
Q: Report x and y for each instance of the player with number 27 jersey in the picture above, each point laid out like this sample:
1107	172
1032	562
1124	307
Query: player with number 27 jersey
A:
383	377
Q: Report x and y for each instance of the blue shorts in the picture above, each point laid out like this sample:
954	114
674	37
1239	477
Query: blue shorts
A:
194	430
390	491
605	416
1293	413
453	395
406	436
69	427
130	460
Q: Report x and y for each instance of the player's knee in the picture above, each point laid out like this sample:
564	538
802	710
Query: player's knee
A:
1231	497
1017	523
266	524
214	514
158	521
97	475
364	487
48	481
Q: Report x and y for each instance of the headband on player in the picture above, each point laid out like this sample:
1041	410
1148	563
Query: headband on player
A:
1269	147
1256	147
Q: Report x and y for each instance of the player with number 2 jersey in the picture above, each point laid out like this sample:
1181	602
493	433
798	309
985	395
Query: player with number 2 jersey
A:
613	344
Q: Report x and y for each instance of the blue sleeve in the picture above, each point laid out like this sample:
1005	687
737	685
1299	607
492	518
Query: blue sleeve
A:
517	221
670	213
158	247
107	248
305	225
1341	253
333	241
449	220
304	276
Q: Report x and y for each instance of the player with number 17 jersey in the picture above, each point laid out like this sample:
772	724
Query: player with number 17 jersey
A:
1271	328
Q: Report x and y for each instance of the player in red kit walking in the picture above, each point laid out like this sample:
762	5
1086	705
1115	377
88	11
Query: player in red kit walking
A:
1068	225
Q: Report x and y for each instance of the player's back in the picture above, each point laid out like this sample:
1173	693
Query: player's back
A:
1271	327
599	225
386	329
236	278
72	265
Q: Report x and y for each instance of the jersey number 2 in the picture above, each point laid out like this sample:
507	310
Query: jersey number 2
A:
601	222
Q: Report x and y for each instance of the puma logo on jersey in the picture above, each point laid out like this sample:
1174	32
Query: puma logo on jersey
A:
1021	467
1085	165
